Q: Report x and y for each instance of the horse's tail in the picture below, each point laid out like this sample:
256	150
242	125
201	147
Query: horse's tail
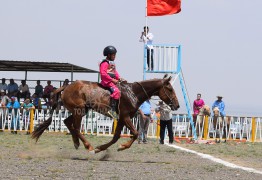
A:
42	127
39	130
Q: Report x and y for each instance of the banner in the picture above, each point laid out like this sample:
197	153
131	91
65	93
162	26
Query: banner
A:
163	7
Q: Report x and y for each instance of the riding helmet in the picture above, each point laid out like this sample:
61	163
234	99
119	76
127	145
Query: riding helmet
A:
109	50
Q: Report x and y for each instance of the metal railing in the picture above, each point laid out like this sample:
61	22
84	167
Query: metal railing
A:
248	128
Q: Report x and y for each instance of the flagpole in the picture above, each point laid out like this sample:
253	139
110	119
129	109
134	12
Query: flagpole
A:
144	55
146	19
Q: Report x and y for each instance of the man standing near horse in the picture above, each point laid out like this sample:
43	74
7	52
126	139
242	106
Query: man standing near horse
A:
110	77
145	117
165	121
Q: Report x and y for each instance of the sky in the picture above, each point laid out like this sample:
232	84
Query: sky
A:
220	39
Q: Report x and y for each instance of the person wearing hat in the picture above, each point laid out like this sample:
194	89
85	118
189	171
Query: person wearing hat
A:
165	122
220	104
4	98
13	106
3	85
27	106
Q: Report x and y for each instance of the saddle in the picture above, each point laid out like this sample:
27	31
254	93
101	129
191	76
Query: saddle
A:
113	102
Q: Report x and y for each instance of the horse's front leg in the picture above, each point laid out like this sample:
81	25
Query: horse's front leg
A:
133	131
116	136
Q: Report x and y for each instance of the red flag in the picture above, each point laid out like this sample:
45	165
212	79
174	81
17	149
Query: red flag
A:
163	7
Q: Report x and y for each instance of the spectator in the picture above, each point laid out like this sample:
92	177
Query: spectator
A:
145	117
3	85
147	38
197	105
221	106
165	121
13	107
23	91
66	82
4	99
38	89
36	101
12	88
47	91
27	105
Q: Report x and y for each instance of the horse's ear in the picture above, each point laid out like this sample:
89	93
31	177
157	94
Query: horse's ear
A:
168	80
165	76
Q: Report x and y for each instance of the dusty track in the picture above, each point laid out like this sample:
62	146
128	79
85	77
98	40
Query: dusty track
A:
54	157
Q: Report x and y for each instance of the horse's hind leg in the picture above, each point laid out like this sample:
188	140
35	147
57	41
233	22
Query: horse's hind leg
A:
69	124
116	136
77	125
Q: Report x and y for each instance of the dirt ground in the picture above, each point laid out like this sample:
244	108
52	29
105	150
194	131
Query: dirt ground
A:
54	157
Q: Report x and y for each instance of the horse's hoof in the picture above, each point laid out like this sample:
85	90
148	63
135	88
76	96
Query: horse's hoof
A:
121	148
92	152
97	150
76	146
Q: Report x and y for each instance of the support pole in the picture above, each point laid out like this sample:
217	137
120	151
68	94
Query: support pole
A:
205	127
72	71
25	75
158	128
253	139
115	124
31	129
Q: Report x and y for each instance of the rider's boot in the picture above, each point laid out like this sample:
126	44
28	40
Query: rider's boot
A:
112	111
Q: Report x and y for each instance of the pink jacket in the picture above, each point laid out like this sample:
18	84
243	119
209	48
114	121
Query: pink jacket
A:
197	105
106	68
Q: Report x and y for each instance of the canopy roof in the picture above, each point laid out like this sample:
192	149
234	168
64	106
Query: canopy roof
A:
6	65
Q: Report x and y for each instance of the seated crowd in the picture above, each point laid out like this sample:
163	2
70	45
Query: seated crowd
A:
21	94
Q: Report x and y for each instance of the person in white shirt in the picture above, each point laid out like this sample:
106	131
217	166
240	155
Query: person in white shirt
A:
4	98
165	121
23	91
147	38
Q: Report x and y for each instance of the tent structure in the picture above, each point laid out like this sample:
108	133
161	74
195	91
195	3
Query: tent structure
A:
35	66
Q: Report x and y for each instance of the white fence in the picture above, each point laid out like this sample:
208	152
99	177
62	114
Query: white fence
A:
95	123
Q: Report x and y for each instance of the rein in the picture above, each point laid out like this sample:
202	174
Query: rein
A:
170	99
143	90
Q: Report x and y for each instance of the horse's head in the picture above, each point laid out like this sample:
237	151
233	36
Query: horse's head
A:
168	95
205	110
216	111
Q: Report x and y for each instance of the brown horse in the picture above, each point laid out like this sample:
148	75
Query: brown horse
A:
220	124
81	96
199	119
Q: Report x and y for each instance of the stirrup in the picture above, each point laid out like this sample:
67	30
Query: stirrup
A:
113	114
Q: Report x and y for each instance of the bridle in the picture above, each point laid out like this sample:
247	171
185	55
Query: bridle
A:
170	99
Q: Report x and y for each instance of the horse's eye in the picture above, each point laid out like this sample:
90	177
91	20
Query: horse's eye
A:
169	88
